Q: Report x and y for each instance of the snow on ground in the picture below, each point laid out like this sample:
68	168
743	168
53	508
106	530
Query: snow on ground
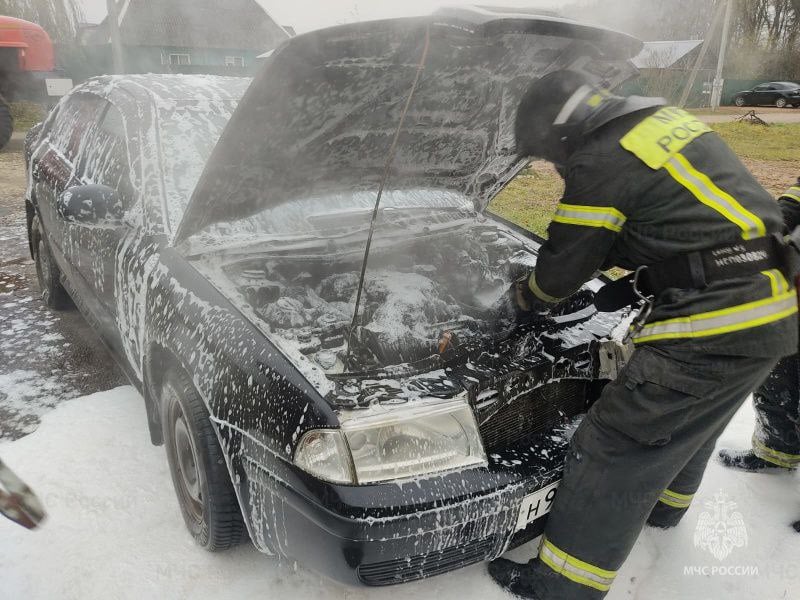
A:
115	530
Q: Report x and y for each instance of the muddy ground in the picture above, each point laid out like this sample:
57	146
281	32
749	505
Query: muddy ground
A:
45	357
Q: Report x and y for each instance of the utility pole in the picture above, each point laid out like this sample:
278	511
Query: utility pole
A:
687	89
116	38
716	93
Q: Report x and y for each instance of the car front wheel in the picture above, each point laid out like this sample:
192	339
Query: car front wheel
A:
781	103
47	272
739	101
199	472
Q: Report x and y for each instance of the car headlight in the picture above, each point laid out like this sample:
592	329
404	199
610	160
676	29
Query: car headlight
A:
401	443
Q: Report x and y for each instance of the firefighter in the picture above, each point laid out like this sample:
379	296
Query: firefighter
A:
651	189
776	441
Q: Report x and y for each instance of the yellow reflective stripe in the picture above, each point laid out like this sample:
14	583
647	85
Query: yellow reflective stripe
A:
773	282
727	320
788	461
676	500
677	496
793	193
537	291
777	281
575	569
607	217
662	135
707	192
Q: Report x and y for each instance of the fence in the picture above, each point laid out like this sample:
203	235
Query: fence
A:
669	83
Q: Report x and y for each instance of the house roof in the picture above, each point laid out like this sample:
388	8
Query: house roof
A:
240	24
662	55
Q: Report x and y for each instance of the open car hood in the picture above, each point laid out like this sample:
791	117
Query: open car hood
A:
322	114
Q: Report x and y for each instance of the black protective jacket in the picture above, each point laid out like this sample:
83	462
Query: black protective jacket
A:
655	184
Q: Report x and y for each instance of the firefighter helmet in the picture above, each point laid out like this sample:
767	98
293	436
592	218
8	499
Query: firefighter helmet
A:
562	108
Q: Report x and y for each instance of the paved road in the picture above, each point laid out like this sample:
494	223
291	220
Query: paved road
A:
45	357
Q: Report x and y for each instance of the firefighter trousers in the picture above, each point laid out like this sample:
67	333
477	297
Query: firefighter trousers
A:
646	440
777	402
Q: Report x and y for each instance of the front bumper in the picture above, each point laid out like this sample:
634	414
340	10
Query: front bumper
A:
393	533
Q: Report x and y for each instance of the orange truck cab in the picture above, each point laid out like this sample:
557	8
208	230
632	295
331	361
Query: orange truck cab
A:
27	69
25	46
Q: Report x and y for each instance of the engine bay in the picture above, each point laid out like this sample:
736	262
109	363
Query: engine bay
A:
427	297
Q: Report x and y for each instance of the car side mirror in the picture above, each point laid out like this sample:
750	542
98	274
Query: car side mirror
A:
90	204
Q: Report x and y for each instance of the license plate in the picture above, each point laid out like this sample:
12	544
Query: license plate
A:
536	505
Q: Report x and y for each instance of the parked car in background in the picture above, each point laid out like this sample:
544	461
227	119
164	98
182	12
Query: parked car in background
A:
429	434
776	93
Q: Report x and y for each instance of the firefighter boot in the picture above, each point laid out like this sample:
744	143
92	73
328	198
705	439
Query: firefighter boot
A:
747	461
521	579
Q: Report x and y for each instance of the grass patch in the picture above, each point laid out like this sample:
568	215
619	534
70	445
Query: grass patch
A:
26	115
778	142
531	198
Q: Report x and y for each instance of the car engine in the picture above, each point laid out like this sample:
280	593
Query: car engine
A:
422	297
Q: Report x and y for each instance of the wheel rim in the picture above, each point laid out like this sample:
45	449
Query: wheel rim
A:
780	103
188	480
739	102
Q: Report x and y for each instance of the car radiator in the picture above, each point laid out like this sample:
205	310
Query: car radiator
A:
509	421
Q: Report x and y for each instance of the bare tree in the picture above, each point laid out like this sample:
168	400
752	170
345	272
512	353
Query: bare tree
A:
59	18
768	38
649	19
765	42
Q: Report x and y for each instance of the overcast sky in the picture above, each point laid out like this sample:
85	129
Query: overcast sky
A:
305	15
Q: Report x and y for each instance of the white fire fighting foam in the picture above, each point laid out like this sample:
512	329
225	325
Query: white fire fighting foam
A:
115	530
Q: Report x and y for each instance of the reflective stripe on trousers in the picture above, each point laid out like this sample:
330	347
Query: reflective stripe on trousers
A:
782	459
575	569
675	500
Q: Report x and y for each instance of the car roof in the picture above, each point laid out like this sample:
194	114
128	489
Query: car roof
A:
158	87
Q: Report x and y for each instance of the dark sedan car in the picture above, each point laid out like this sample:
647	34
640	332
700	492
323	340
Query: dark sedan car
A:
777	93
379	416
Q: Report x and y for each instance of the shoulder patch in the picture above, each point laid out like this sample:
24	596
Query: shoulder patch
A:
661	136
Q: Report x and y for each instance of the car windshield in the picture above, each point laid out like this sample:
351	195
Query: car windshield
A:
188	130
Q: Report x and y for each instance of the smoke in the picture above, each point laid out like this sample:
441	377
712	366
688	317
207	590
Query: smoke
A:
649	20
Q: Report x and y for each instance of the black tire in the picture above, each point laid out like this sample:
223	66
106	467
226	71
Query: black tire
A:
739	101
781	102
199	472
6	123
47	272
